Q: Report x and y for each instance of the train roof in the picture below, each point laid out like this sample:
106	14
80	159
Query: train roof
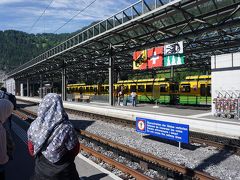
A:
82	84
198	77
142	80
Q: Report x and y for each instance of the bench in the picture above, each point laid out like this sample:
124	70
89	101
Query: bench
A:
84	99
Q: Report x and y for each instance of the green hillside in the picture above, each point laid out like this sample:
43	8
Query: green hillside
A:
17	47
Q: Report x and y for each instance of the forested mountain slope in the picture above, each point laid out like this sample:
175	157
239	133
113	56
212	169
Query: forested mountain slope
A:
17	47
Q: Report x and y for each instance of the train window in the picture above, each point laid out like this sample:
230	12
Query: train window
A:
126	89
119	88
91	89
95	89
81	89
106	88
185	88
173	87
140	88
133	88
202	90
87	89
163	88
209	90
149	88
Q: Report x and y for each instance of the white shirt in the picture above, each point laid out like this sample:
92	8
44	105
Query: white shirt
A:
133	94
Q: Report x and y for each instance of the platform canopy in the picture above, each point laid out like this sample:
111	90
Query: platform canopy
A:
207	27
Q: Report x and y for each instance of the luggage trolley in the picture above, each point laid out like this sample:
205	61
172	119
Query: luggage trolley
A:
226	112
237	101
218	104
233	106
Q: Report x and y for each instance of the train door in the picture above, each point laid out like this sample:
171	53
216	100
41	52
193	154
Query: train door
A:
203	90
133	87
208	90
163	88
156	91
205	94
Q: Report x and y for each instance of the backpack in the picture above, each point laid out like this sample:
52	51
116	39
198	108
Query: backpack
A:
2	94
10	97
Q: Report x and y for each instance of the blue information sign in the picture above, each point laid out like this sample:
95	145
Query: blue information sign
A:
167	130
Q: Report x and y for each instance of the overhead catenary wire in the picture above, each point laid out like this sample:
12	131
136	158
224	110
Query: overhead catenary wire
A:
40	16
82	10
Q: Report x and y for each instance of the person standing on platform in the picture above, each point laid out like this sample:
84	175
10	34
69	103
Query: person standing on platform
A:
120	94
134	98
6	109
81	95
115	97
53	142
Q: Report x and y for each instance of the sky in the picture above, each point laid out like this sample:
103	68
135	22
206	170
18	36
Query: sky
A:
22	15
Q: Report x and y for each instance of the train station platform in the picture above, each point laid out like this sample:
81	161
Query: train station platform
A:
22	165
198	120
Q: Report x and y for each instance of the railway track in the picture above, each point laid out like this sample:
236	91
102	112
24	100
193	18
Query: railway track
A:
146	161
200	138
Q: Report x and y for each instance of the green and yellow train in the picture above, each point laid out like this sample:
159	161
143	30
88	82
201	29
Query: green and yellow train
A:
193	90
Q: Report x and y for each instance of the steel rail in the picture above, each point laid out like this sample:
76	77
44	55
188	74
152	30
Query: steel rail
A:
21	114
114	163
150	158
194	137
235	149
144	156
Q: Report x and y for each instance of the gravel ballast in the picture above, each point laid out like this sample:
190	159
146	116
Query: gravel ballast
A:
218	163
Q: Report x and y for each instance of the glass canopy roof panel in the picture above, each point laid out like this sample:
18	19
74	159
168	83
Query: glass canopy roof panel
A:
158	24
168	21
137	9
207	7
148	5
127	15
195	11
236	15
177	17
223	3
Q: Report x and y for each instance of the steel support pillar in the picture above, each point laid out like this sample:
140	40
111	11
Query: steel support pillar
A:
172	73
17	88
32	92
21	90
41	87
173	96
28	87
64	84
110	72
